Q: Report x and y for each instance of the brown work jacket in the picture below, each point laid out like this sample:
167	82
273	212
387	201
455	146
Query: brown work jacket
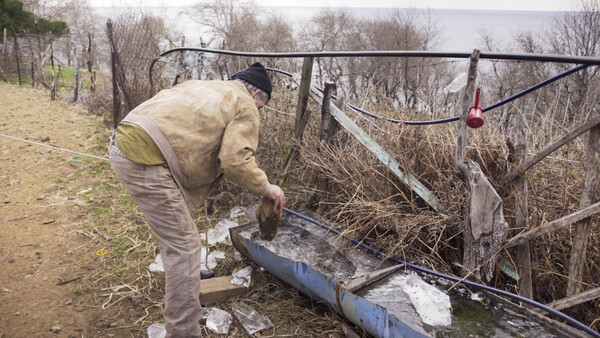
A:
205	129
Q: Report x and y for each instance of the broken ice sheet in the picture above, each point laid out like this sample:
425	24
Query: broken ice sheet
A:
432	305
157	331
217	320
212	259
157	265
251	320
237	212
242	276
220	233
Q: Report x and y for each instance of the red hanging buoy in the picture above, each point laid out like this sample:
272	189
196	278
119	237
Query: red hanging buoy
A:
475	118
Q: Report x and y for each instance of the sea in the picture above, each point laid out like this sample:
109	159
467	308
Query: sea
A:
460	30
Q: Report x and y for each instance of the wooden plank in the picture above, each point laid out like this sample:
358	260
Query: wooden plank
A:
358	283
219	289
579	298
584	227
551	148
383	156
554	225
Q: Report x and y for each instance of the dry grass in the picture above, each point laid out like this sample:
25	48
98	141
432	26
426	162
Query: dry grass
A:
367	202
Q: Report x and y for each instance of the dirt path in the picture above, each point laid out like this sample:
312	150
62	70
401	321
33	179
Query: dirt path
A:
42	256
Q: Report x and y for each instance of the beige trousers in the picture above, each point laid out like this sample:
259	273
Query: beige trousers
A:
161	200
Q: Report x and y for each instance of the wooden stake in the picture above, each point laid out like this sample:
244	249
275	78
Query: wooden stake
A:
17	57
53	89
584	227
324	132
523	252
32	75
76	87
484	217
91	73
301	108
467	100
302	113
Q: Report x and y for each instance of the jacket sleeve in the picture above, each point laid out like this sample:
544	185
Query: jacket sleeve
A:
237	154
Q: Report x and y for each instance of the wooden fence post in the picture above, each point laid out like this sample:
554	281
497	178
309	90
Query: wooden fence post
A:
76	87
467	99
32	75
302	113
54	80
91	72
3	60
484	218
4	45
520	192
301	109
17	57
115	86
324	132
584	227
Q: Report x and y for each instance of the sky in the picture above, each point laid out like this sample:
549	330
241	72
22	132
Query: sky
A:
519	5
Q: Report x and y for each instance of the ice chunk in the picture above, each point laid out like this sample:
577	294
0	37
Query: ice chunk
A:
237	212
242	276
212	259
432	305
476	296
157	331
251	320
220	233
217	320
157	265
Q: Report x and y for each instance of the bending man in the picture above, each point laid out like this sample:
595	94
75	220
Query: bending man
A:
171	151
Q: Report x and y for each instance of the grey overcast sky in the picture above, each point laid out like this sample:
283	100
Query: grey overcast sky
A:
518	5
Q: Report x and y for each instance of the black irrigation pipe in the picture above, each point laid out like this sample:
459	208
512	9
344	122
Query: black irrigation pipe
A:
546	308
452	119
401	53
584	63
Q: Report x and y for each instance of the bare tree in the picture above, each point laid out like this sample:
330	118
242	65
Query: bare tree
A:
578	33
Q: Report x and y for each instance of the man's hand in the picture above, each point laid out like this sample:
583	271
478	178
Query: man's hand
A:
275	193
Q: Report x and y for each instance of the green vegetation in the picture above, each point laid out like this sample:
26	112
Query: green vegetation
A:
14	18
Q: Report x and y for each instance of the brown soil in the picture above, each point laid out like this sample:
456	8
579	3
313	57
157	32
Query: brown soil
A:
42	257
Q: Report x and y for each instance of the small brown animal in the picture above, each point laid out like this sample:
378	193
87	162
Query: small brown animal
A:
268	221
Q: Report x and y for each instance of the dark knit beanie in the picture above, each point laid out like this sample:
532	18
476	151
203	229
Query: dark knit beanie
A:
256	75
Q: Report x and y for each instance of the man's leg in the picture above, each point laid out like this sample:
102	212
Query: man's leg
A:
161	200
